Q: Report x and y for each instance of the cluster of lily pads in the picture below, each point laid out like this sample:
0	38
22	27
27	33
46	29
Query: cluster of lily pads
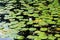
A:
30	19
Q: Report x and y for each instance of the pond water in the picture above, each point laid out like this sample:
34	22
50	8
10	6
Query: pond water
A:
6	39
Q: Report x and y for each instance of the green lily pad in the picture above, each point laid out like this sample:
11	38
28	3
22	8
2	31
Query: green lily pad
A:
43	29
32	29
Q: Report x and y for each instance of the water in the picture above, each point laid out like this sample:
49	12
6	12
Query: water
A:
6	39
